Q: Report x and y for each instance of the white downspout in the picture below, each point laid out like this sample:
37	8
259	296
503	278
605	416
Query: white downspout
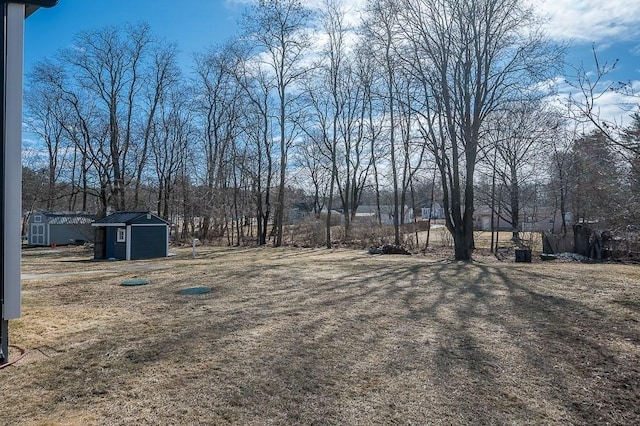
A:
128	243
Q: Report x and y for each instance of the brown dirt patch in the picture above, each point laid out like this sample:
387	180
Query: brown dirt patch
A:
316	336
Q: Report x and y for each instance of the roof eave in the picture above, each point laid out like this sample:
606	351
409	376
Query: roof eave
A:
30	10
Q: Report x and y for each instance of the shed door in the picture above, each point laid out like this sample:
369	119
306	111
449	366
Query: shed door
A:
37	234
100	246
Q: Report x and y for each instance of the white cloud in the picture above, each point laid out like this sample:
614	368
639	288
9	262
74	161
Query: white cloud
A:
606	23
591	20
233	3
353	8
579	20
609	106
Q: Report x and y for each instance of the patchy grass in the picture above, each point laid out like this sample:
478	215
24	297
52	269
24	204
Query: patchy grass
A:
316	336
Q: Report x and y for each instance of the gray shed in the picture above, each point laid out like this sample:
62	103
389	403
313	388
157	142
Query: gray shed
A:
58	228
131	236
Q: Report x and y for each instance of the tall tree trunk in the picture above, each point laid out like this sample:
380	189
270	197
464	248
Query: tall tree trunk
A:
515	205
283	169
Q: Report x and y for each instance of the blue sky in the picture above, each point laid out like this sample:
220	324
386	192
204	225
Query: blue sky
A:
193	24
613	25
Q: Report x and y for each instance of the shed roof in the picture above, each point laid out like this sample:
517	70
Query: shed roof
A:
66	218
71	220
125	217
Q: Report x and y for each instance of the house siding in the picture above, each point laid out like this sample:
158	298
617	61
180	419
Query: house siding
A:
112	251
148	241
120	250
58	228
153	220
68	234
146	236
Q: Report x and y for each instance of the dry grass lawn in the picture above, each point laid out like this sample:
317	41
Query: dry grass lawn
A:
316	336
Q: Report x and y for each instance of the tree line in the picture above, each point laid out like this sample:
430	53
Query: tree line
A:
441	94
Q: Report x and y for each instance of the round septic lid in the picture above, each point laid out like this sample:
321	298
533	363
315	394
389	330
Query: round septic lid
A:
135	282
195	290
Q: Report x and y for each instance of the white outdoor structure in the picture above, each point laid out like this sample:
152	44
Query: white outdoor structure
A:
13	158
12	36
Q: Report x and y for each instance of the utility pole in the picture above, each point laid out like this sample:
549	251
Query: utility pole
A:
14	13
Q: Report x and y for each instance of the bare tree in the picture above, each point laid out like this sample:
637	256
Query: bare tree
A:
161	76
337	106
109	68
323	93
34	188
595	193
592	84
256	86
473	57
354	133
278	28
559	177
383	28
45	120
517	143
631	137
412	153
321	132
217	107
375	112
104	96
169	141
315	169
77	114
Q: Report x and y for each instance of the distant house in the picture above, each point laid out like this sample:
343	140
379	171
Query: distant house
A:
131	236
337	217
369	213
436	213
298	212
541	219
546	219
482	220
59	228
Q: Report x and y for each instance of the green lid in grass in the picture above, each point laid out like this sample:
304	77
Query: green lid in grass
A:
135	282
195	290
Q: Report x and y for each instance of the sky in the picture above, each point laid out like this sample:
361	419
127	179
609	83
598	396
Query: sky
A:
613	26
193	24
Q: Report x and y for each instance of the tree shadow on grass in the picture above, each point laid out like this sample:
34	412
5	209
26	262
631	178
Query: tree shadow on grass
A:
563	349
363	342
499	347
